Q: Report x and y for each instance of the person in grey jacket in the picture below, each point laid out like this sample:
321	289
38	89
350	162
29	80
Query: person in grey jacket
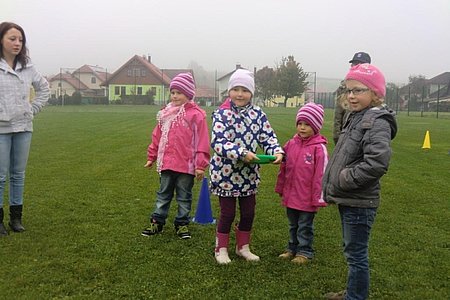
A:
340	113
17	76
352	177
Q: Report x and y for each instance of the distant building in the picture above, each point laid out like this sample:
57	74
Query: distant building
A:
435	91
291	102
439	92
140	78
205	96
86	80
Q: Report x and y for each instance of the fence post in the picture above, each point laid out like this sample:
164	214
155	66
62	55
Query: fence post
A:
437	102
423	96
409	101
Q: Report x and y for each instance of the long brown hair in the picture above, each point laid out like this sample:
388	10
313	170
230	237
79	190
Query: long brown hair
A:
22	57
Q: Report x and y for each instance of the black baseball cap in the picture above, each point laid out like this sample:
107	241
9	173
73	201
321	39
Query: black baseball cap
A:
361	57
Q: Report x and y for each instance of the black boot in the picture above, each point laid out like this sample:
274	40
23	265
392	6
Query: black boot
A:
3	231
15	218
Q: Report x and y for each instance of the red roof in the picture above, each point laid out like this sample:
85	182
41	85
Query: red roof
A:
204	92
155	75
70	79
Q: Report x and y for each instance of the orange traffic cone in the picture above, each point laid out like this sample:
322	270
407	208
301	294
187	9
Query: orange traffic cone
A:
203	215
426	141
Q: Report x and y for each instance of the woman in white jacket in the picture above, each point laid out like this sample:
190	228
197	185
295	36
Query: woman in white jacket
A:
17	76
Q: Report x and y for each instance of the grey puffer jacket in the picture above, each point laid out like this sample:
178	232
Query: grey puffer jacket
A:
16	110
360	159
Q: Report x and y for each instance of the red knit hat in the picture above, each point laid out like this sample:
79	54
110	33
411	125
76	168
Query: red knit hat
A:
370	76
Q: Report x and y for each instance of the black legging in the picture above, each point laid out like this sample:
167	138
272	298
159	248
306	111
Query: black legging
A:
228	213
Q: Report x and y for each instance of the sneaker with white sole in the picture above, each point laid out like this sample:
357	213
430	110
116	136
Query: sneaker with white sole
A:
153	229
183	232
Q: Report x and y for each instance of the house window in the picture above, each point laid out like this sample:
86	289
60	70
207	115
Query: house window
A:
139	90
129	72
136	72
93	80
143	74
117	90
123	90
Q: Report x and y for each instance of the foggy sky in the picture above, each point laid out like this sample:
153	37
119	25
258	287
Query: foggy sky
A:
403	37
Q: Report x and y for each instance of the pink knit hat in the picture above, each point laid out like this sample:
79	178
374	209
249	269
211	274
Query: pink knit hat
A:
184	82
312	114
370	76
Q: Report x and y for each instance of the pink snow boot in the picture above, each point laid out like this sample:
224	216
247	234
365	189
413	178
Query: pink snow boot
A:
243	245
221	251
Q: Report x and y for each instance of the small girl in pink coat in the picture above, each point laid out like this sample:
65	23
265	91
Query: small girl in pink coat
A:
300	181
180	148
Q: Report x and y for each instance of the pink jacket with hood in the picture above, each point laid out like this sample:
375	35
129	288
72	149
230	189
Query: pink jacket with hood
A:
299	180
187	145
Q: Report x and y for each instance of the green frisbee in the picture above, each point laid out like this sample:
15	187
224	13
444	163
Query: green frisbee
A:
264	159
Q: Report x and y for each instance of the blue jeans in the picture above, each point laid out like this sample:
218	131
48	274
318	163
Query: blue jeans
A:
301	232
171	182
356	226
14	150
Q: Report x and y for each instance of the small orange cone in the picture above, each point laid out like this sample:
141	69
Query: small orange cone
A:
426	141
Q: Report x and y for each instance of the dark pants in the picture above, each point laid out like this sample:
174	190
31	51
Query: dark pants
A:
228	213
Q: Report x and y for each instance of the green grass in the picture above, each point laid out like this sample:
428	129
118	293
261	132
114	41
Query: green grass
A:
88	197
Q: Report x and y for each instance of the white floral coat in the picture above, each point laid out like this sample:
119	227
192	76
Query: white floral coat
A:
235	130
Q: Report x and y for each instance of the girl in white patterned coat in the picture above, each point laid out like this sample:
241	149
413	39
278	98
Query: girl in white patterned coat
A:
239	127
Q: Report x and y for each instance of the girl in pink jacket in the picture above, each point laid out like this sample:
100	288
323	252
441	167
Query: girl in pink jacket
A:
180	148
300	181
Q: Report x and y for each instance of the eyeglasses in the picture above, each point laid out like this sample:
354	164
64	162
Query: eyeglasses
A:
355	91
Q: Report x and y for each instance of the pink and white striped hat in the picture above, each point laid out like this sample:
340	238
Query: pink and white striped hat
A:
184	82
312	114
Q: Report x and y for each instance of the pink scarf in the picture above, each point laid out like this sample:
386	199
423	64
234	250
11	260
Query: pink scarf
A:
167	118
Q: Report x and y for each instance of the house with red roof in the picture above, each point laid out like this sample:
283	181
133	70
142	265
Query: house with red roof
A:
139	78
86	80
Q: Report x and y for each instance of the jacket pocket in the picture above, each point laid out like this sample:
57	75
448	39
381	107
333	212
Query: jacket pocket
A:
5	115
354	148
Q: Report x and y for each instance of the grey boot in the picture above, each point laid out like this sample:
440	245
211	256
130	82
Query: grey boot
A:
3	231
15	218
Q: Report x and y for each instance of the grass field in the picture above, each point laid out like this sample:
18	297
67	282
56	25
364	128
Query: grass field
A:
88	197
